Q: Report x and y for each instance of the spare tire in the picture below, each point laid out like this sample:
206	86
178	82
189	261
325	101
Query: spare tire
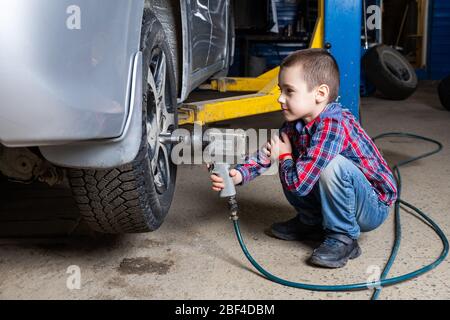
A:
390	72
444	92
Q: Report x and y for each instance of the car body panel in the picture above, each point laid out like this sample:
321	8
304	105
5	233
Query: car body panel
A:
58	84
108	153
67	72
205	41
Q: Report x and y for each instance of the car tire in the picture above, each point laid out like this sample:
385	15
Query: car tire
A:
390	72
444	92
136	197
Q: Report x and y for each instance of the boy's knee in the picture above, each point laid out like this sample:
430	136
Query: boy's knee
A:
334	171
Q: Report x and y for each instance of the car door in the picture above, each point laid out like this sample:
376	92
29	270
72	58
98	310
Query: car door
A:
209	32
207	25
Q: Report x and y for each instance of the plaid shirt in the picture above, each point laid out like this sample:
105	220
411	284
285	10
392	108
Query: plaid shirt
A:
335	131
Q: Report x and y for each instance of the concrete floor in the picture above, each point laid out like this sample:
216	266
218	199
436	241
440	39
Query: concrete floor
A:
195	255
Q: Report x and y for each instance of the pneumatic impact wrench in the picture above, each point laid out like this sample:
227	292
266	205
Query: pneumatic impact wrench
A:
220	149
225	147
229	191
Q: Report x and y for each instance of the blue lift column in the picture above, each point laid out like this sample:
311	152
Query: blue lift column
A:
342	36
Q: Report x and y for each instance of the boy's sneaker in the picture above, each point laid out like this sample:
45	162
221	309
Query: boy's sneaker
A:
295	230
335	251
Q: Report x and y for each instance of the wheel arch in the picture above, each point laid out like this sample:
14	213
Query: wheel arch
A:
131	198
110	153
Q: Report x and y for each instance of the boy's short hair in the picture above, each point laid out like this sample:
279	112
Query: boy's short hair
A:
319	67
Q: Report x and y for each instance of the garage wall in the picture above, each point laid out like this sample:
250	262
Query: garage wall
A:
439	45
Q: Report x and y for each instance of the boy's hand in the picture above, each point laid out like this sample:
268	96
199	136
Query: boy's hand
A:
279	146
217	182
266	149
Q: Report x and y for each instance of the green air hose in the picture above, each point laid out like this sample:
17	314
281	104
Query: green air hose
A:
383	281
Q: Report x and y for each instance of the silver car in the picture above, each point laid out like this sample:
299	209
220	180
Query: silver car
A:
89	86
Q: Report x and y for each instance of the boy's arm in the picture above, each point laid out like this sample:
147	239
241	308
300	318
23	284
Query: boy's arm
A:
326	143
257	163
253	166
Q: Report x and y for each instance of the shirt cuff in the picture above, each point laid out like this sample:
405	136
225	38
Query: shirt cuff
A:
245	173
286	164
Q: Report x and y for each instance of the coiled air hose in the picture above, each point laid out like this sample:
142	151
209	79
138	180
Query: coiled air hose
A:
383	281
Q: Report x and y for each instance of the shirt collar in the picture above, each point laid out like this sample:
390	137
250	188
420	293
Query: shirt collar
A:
331	110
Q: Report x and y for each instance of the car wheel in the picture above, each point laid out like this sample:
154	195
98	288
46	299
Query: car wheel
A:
136	197
390	72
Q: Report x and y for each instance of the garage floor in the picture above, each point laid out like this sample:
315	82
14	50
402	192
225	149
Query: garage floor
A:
195	255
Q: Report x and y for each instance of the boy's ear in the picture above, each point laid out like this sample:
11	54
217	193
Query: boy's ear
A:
322	93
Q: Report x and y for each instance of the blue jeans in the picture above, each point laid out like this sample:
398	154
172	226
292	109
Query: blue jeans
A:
343	201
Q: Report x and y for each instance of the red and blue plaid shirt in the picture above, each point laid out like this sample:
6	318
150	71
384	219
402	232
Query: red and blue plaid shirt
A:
335	131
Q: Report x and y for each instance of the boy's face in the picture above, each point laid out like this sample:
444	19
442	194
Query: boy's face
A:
295	99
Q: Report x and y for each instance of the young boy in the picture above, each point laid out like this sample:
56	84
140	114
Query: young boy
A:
331	171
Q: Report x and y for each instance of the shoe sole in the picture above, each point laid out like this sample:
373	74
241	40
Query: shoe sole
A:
356	252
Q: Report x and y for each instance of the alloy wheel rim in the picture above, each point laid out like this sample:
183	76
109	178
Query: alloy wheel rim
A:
159	119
